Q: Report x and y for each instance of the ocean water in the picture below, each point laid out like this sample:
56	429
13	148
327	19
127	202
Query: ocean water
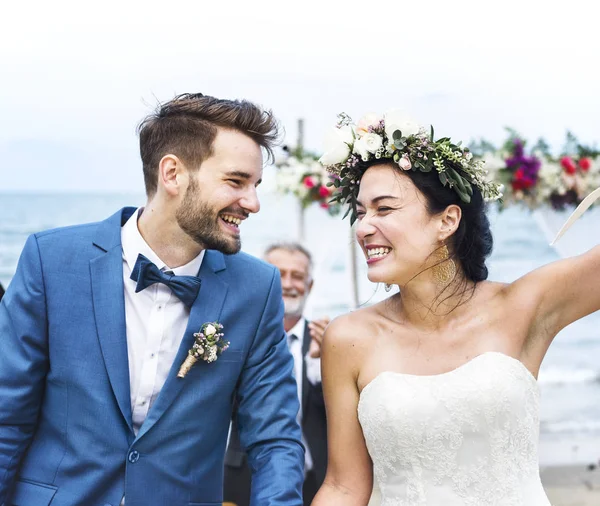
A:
570	376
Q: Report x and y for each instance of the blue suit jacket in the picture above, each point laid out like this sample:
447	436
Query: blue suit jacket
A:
66	434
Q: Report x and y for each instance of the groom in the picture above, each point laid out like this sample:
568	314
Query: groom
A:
99	318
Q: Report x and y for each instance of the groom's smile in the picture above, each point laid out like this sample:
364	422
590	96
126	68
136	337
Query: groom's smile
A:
232	222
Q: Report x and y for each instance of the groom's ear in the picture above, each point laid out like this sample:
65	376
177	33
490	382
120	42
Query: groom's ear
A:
449	221
172	175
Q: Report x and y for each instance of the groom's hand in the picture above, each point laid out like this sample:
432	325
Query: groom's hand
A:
317	330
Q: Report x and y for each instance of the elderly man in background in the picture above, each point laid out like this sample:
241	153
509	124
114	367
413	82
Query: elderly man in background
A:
304	339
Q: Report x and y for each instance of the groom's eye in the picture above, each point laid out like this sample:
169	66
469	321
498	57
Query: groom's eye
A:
235	182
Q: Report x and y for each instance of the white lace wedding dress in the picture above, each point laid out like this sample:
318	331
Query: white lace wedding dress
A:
468	437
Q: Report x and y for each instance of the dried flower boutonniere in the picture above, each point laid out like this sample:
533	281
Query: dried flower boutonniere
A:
208	345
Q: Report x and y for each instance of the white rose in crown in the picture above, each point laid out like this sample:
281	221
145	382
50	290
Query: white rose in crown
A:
368	120
372	142
360	148
337	145
397	119
367	144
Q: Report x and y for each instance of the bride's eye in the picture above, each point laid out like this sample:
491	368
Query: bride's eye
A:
359	214
384	209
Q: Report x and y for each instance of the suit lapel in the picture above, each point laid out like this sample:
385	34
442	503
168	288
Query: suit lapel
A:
305	382
106	273
206	308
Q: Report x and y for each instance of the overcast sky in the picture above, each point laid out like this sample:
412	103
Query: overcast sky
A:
77	77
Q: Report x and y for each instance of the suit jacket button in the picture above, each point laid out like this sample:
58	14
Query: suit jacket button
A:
134	456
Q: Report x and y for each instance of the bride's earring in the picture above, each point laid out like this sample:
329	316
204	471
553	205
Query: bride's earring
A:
387	287
445	269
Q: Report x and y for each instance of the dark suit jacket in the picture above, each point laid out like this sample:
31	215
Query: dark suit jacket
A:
314	429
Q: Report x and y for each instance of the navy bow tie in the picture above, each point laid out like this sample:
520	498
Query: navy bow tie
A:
146	273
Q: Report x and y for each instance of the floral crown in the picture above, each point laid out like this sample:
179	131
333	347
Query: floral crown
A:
398	138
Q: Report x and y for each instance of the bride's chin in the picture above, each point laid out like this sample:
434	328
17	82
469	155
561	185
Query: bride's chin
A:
373	278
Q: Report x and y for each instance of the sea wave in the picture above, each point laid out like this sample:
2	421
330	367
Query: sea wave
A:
560	376
570	426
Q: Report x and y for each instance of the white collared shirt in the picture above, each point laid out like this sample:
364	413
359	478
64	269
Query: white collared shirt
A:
155	323
313	372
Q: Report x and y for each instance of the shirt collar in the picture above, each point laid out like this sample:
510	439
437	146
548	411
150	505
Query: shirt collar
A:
298	329
133	244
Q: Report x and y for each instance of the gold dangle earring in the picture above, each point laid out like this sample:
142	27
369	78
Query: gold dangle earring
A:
444	270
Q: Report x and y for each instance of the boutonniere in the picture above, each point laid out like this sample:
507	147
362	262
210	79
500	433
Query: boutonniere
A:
208	345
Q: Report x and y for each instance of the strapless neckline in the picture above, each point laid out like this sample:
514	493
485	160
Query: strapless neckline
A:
485	354
465	437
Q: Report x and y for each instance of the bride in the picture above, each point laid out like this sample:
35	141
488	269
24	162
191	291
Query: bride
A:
433	392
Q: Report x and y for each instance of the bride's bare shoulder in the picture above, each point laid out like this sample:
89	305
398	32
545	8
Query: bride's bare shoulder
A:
348	330
344	344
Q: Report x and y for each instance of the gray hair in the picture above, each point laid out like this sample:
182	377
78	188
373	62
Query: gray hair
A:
291	247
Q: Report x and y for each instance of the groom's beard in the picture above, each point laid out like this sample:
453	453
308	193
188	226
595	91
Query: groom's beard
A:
200	221
293	303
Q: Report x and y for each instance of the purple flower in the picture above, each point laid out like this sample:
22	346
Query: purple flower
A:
527	166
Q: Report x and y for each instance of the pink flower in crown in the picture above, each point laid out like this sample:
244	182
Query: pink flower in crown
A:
367	123
404	162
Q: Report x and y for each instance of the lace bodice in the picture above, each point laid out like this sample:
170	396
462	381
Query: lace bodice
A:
467	437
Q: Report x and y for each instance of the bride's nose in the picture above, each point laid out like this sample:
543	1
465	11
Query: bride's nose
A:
364	228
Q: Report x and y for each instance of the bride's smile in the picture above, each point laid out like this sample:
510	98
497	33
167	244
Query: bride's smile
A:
376	252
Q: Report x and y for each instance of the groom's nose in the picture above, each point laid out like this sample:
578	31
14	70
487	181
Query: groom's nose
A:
250	200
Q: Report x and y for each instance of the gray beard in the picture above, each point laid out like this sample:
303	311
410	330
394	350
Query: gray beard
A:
294	309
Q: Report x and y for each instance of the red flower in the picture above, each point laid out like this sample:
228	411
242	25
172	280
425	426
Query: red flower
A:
324	205
309	182
324	191
521	181
585	164
568	164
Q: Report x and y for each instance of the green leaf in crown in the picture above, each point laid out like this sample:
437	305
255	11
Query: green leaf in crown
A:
397	138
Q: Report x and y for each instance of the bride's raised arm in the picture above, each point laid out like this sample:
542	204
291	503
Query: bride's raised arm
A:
349	478
562	292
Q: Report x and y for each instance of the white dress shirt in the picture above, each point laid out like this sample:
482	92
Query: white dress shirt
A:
313	373
155	323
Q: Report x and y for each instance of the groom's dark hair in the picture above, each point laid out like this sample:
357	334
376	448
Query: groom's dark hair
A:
186	126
